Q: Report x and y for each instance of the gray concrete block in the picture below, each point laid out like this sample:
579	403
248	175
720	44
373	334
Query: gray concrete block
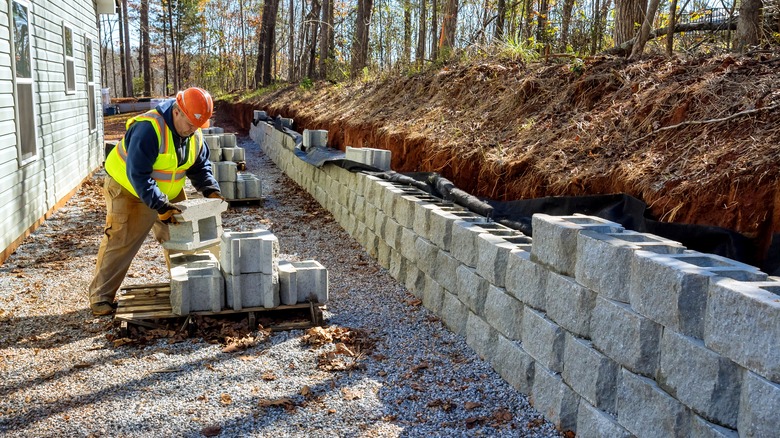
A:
454	313
196	289
383	251
555	239
672	289
493	254
504	313
647	411
315	138
199	224
392	233
569	304
481	337
213	141
702	428
554	399
228	140
464	241
312	281
252	290
426	255
526	280
758	408
404	210
226	171
472	289
215	154
409	245
228	189
421	224
433	295
440	227
590	374
700	378
543	339
592	422
227	154
370	243
249	252
604	260
742	322
288	283
514	364
626	336
398	265
390	196
414	280
445	271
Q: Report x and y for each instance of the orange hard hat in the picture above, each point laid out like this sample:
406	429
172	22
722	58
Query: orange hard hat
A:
197	105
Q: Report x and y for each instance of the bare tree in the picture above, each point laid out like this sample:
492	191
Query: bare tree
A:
672	23
628	15
407	53
267	41
419	54
146	66
500	14
748	25
291	44
360	40
448	27
568	5
644	32
127	68
326	36
434	29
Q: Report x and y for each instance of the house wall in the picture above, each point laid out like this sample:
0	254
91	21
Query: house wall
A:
609	332
67	152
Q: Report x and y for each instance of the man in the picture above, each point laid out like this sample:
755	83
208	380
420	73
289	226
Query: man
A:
145	177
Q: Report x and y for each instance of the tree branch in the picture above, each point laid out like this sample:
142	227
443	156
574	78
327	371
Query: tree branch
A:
625	48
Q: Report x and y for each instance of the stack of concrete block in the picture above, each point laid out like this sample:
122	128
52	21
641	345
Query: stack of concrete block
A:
378	158
610	332
234	154
248	186
303	282
226	174
196	284
251	269
199	225
213	130
215	146
313	138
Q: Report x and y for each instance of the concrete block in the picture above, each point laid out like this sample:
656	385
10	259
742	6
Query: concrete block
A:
700	378
758	408
590	374
390	196
415	281
604	260
228	140
526	280
312	281
702	428
194	260
672	289
404	210
454	313
371	242
426	255
213	130
250	186
252	290
227	154
440	227
543	339
592	422
514	364
196	289
383	253
493	254
288	283
464	240
315	138
555	239
226	171
247	252
626	336
215	154
742	322
481	337
213	141
378	158
409	245
445	271
554	399
504	313
421	224
433	295
647	411
569	304
397	266
199	224
228	189
472	289
391	232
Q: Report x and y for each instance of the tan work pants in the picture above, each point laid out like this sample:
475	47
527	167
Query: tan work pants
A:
128	222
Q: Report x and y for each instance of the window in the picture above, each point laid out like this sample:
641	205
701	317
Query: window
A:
26	141
90	85
70	63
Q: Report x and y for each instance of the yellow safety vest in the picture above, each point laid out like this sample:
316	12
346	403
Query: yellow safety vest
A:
166	170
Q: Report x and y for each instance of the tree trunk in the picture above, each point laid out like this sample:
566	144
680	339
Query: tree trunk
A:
541	29
174	54
644	32
595	34
407	54
419	54
434	29
166	91
290	45
528	16
672	23
147	67
448	27
270	41
748	25
244	67
326	28
313	29
568	5
500	14
128	67
628	15
360	41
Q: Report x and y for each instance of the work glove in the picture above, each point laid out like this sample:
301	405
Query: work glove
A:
216	195
166	212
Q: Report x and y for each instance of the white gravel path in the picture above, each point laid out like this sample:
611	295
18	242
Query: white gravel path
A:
61	376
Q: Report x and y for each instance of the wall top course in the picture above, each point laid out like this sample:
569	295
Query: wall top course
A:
581	221
636	240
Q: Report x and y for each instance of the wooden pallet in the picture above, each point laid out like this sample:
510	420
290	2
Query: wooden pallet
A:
149	305
245	201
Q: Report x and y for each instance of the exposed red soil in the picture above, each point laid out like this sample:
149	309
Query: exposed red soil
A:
506	130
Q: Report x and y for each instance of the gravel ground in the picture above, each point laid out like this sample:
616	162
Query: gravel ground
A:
63	376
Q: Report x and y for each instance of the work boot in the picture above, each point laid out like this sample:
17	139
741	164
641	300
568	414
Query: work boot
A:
102	308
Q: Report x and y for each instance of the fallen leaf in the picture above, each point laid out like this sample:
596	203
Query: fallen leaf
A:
211	431
246	358
382	373
284	401
420	366
82	365
225	399
305	391
268	376
415	302
350	394
471	405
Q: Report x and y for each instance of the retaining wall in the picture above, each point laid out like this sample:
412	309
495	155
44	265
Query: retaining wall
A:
610	332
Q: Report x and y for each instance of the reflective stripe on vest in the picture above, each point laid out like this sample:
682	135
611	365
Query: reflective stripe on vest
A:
166	172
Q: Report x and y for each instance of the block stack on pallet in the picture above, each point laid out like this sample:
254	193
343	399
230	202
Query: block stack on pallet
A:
246	273
227	159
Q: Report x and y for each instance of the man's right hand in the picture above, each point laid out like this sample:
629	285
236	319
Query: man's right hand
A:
165	214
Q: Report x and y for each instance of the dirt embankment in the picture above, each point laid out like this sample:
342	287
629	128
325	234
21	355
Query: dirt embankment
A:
698	140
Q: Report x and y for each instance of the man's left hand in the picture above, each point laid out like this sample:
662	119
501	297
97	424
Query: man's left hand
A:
216	195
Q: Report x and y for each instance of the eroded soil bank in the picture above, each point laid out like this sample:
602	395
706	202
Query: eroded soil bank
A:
698	140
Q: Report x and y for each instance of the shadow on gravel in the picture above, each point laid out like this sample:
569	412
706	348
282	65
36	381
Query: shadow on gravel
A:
47	331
